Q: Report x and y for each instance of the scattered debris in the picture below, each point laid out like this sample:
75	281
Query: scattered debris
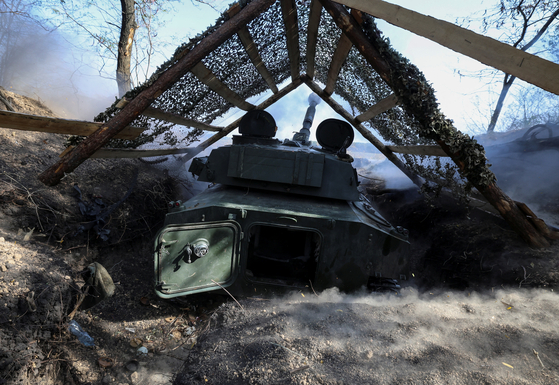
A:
538	357
28	236
136	342
142	351
31	302
508	305
300	369
82	335
98	285
132	365
105	362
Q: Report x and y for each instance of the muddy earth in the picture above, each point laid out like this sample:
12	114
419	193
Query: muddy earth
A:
481	306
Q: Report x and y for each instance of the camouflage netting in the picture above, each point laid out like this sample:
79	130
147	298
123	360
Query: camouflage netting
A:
418	122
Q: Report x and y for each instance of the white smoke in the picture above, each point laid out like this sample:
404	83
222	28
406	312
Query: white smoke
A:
44	66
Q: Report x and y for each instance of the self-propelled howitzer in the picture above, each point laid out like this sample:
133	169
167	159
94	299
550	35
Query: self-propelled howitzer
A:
278	215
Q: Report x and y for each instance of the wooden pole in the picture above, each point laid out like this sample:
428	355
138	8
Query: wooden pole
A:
338	60
312	35
383	105
206	76
95	141
252	51
171	117
25	122
291	22
494	195
418	150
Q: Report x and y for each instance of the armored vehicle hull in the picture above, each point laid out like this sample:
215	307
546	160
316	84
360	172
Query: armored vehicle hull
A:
249	240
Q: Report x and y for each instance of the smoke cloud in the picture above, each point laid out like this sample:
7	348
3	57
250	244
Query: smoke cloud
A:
43	65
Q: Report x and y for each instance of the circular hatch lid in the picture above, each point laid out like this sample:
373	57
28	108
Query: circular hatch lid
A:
332	134
258	123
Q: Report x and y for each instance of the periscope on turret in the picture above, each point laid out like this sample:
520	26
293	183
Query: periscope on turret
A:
278	215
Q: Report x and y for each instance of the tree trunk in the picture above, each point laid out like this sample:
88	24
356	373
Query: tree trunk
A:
127	31
507	83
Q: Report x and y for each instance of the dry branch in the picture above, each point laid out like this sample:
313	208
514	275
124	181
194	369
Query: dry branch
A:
6	102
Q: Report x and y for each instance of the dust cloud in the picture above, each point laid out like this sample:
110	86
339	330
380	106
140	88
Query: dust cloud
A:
525	166
433	337
45	66
392	175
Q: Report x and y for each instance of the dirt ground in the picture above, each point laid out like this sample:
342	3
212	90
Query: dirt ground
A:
479	306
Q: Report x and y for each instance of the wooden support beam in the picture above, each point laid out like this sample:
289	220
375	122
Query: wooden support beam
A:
27	122
363	130
385	104
208	78
231	127
177	119
108	130
418	150
511	60
494	195
172	118
340	55
252	51
338	60
289	12
112	153
312	35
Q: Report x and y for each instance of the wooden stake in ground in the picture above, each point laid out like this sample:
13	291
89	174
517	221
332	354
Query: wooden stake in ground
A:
386	69
108	130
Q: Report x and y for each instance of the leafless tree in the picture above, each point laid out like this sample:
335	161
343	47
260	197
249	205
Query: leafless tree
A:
127	35
522	24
